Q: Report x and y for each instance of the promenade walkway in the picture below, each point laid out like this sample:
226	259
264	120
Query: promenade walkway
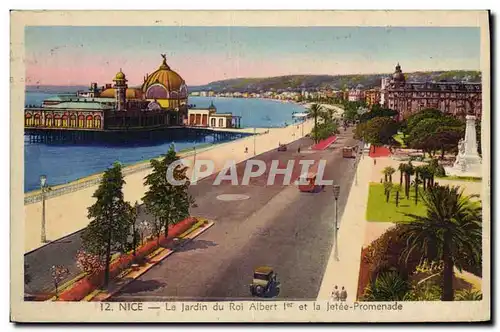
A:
323	144
67	214
344	272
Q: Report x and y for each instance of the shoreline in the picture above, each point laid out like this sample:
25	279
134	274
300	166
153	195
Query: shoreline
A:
129	168
126	168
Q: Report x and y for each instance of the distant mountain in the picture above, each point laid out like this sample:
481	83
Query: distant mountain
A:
296	82
335	82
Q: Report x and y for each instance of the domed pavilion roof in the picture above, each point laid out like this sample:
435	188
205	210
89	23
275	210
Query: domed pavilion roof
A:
164	78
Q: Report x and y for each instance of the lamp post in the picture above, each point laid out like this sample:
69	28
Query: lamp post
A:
336	192
143	226
134	238
254	137
43	187
194	164
58	272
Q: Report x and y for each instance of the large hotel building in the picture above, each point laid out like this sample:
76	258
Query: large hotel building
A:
457	98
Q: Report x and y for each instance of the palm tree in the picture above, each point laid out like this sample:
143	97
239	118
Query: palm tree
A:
315	111
469	295
450	229
388	286
388	171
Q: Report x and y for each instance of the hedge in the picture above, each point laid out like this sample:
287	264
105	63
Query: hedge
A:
93	281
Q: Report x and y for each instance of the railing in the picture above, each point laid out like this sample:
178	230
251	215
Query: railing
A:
86	183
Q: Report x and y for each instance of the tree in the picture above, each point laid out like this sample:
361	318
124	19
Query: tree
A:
388	286
315	111
468	295
377	131
414	119
478	136
387	190
450	228
397	189
110	220
407	171
324	130
388	171
436	133
88	263
168	202
376	112
447	138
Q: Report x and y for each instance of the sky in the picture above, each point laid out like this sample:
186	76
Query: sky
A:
57	55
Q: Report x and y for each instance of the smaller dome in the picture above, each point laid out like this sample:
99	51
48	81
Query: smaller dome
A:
398	75
120	75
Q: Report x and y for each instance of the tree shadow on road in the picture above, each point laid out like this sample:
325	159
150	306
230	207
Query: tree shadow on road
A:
143	286
196	244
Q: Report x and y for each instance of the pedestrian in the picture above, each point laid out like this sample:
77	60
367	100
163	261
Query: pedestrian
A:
374	161
335	293
246	149
298	150
343	294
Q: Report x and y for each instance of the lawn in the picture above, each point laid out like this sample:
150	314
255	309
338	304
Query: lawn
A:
460	178
379	210
399	138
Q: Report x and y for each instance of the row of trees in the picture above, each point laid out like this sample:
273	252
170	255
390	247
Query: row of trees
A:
449	235
113	219
431	130
325	123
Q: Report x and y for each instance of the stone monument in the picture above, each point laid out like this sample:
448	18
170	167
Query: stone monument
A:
468	162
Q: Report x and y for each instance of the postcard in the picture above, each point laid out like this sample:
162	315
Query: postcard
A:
250	166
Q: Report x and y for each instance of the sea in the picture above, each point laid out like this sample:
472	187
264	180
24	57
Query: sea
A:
63	163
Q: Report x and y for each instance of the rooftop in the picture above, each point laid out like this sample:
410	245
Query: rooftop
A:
79	105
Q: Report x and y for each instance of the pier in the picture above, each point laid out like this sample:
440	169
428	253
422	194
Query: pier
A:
57	136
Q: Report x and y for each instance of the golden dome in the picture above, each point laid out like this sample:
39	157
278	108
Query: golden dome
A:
166	77
119	76
130	93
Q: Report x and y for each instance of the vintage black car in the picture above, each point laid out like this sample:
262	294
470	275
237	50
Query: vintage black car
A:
264	282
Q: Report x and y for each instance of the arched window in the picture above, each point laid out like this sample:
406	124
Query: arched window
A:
48	120
37	120
28	120
89	121
72	120
65	120
212	122
157	91
97	121
221	122
81	121
57	120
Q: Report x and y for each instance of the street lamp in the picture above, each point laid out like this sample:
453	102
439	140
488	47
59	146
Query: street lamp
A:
58	273
336	192
194	164
133	239
143	226
254	137
43	187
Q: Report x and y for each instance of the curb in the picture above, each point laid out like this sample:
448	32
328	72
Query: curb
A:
154	262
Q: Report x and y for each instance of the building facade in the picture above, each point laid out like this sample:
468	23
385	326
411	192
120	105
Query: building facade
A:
208	117
161	101
455	98
372	97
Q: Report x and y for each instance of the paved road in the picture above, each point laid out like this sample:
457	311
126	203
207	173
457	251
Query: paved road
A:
63	251
277	226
